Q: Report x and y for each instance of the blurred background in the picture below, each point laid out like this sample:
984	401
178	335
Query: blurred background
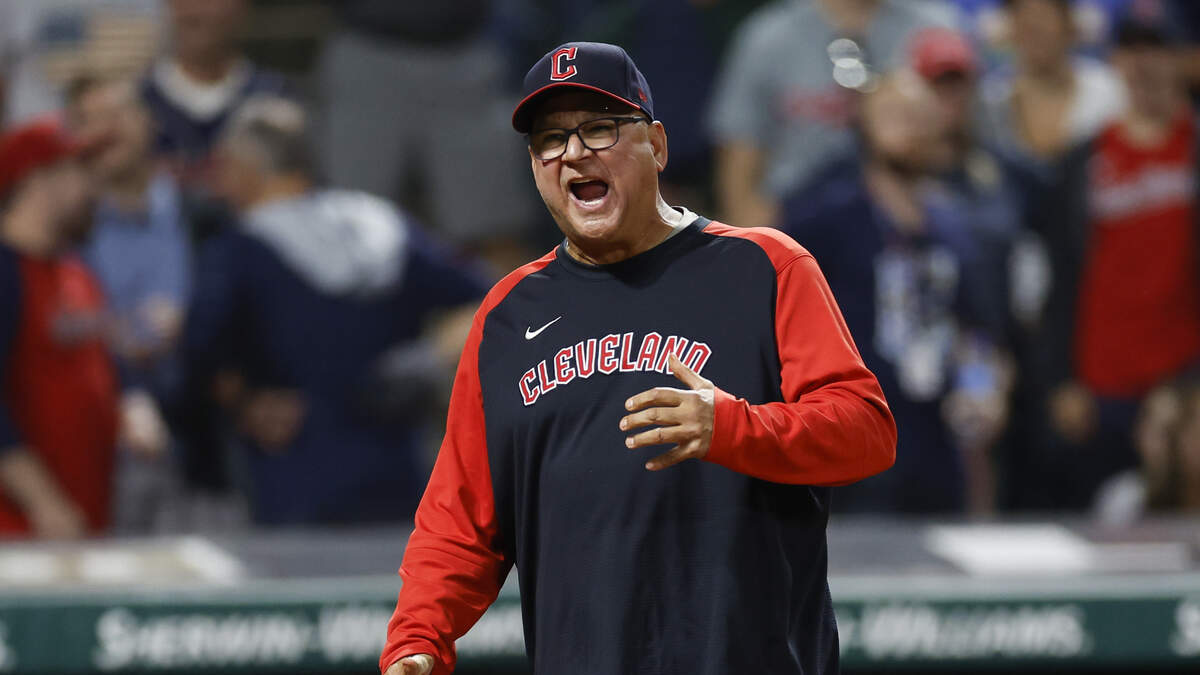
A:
241	242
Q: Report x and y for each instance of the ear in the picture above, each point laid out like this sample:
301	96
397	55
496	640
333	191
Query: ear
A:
658	141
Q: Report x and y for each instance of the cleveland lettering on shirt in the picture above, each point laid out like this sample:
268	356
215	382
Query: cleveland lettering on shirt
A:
610	354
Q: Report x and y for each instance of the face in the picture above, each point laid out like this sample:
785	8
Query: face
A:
205	28
605	197
901	124
67	195
954	92
1042	32
111	116
238	174
1151	78
1188	448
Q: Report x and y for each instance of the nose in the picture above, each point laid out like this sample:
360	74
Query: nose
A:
575	148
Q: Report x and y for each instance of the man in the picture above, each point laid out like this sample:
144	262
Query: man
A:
298	306
58	414
140	250
569	456
910	271
968	179
437	125
1052	100
783	103
1124	314
194	88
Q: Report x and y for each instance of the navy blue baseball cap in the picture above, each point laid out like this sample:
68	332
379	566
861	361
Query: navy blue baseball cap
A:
595	66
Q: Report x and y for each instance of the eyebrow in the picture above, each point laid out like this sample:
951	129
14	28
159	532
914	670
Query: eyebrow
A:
598	115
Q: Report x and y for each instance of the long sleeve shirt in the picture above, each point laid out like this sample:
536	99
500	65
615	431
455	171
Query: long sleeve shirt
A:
711	566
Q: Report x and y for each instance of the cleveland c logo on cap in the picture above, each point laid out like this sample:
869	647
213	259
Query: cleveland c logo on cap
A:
557	72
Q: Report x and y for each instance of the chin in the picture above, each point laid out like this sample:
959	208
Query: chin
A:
593	227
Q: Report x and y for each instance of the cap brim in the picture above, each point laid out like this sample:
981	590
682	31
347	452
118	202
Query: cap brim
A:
522	117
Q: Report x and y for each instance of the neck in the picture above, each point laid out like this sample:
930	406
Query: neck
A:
1147	128
895	193
1057	76
661	223
279	188
24	231
128	191
208	69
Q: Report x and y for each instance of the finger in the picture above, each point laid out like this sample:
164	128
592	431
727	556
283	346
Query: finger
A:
666	416
670	458
661	396
686	375
675	434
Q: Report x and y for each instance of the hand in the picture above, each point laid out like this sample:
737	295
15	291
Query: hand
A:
272	418
417	664
1073	412
976	418
684	417
56	518
142	427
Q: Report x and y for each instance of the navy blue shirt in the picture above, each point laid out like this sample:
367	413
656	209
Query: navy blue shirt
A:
702	568
908	298
255	311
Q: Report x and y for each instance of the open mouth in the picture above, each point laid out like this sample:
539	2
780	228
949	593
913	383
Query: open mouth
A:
589	191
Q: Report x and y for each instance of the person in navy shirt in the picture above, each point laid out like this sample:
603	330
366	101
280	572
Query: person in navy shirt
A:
913	278
195	87
297	308
645	423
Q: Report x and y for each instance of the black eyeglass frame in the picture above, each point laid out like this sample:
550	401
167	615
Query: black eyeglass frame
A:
575	132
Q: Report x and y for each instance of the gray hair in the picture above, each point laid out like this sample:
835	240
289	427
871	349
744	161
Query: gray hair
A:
275	130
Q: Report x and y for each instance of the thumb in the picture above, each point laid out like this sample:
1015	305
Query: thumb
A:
686	375
417	664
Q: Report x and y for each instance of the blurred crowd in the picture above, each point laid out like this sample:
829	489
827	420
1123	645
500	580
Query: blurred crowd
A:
241	241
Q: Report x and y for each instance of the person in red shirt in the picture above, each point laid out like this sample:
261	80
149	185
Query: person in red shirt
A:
58	404
1128	259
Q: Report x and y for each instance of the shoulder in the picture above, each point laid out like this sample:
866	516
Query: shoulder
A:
266	81
831	192
503	287
10	272
781	249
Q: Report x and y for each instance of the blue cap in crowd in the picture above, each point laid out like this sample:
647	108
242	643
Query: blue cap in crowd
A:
594	66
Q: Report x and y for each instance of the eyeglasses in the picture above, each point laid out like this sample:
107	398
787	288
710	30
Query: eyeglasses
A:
598	134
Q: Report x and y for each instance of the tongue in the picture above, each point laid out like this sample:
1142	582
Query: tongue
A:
590	190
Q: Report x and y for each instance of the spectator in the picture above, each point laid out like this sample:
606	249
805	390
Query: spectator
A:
782	104
418	88
905	270
58	414
203	77
1051	101
1124	315
972	183
140	251
301	304
44	44
1167	437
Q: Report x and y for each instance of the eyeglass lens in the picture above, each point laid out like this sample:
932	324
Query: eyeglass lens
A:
596	135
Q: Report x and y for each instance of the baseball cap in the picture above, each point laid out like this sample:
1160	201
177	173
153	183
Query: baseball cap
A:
937	51
1147	23
594	66
32	146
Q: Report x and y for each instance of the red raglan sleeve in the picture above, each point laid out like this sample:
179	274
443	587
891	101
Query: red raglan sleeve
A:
833	426
453	566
